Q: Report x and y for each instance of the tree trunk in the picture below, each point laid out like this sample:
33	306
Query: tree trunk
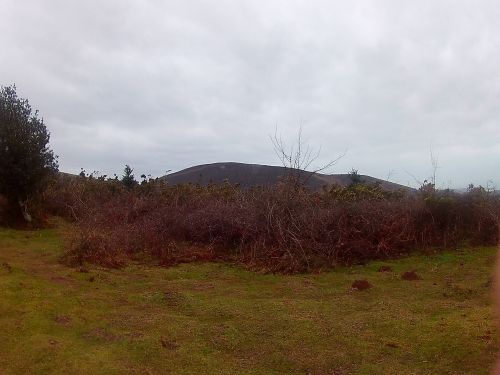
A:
24	211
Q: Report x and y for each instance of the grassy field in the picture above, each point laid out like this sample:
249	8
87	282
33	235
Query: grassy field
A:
220	319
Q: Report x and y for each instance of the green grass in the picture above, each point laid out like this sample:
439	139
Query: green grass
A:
219	319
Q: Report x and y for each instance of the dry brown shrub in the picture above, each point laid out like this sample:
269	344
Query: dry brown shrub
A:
278	229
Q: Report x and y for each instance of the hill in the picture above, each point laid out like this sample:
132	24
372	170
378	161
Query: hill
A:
248	175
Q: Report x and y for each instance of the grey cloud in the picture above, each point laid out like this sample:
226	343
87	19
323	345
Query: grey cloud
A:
168	84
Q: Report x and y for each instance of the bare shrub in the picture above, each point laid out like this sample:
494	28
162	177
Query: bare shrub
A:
274	229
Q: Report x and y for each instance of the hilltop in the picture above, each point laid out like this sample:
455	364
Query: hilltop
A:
248	175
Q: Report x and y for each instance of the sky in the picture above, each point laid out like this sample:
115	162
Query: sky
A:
164	85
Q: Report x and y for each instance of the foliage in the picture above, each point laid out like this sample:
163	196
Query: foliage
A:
26	161
128	178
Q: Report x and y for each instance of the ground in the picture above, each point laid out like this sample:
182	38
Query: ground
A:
215	318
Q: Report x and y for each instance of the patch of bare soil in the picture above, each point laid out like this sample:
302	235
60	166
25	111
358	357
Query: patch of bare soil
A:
486	337
385	269
168	344
7	267
410	276
361	285
63	320
392	345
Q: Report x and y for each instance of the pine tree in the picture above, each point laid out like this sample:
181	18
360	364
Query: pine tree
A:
128	178
26	161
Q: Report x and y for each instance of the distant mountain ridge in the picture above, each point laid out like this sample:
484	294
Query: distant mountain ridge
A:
248	175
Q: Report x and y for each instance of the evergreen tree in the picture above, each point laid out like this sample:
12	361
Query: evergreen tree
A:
128	178
26	161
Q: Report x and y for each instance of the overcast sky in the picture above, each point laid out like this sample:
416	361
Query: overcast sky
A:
164	84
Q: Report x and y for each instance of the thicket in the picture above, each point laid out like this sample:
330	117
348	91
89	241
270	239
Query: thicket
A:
285	228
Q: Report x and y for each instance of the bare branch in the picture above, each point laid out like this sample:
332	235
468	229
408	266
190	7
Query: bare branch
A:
299	158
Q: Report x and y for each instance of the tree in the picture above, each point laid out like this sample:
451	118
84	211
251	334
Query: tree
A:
355	177
26	161
298	159
128	178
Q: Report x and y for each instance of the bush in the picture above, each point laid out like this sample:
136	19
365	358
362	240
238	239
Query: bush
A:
272	229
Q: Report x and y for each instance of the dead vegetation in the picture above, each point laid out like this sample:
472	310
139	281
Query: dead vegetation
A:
285	228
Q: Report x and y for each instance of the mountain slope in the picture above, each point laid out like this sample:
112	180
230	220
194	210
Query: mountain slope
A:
255	174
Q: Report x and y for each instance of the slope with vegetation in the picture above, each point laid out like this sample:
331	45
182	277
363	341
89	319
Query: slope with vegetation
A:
249	175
